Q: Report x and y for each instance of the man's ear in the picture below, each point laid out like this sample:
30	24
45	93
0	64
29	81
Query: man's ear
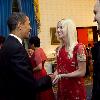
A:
98	1
19	25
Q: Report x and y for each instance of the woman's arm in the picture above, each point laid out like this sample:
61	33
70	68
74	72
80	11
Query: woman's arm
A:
80	72
39	67
38	60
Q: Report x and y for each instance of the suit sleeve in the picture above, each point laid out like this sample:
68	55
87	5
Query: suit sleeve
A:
22	69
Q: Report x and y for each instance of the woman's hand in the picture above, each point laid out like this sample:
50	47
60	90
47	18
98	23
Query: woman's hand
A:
56	79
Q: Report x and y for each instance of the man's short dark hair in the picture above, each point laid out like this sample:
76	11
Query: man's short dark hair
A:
14	19
34	40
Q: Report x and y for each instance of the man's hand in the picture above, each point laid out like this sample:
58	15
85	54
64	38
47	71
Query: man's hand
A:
52	76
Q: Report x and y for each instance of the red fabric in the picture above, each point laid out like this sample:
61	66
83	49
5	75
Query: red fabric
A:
37	58
69	88
82	36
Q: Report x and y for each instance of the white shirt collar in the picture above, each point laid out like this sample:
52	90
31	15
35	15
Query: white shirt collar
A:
16	38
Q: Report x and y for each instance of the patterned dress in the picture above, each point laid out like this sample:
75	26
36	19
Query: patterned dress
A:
70	88
37	58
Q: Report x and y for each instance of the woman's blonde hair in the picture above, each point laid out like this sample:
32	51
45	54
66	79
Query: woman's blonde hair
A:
71	37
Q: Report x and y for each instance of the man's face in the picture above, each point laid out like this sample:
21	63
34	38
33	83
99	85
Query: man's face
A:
97	14
25	31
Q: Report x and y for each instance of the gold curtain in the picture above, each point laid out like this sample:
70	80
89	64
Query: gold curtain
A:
37	14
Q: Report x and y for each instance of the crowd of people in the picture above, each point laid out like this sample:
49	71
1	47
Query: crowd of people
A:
22	72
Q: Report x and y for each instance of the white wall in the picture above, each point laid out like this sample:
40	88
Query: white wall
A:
51	11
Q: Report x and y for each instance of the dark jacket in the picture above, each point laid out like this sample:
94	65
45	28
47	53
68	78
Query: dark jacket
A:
96	71
16	75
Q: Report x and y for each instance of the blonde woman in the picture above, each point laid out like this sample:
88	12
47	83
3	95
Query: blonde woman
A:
71	63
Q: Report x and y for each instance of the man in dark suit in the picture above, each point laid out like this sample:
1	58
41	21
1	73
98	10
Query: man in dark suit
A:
16	75
96	57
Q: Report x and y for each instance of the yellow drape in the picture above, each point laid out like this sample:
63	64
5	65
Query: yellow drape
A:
37	14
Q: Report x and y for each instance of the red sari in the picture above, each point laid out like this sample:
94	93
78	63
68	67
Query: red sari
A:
70	88
37	58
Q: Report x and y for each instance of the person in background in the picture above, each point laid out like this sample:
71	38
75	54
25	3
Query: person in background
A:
71	63
38	59
2	39
88	60
96	57
16	72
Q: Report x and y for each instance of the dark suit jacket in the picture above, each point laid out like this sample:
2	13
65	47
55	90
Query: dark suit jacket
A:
16	76
96	70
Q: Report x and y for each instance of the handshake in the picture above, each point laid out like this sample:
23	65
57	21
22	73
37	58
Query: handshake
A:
55	78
